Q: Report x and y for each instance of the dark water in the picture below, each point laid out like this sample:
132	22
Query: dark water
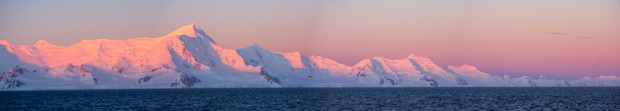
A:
318	99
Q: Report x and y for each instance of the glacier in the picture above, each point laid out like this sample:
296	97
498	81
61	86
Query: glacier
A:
189	58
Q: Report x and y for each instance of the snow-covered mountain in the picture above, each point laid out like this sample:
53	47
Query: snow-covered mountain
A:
188	58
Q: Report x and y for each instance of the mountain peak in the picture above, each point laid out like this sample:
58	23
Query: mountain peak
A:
467	66
191	30
41	43
378	58
296	53
255	46
412	56
418	58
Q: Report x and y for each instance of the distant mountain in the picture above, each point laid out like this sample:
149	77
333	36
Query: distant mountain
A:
189	58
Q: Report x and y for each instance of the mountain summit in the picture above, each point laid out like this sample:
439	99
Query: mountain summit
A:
191	30
189	58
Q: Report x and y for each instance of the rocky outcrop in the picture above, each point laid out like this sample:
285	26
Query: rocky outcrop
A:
431	81
268	77
144	79
11	83
13	72
461	81
8	78
185	81
118	69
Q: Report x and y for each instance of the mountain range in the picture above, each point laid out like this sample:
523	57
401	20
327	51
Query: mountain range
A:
189	58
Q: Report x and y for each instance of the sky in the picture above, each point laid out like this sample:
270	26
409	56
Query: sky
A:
556	38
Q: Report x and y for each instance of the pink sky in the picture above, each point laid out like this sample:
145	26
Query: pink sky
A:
567	38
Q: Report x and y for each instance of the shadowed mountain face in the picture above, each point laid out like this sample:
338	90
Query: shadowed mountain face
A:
188	58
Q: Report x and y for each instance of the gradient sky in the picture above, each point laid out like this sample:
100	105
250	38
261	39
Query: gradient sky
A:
557	38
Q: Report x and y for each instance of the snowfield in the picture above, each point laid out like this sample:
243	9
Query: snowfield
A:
189	58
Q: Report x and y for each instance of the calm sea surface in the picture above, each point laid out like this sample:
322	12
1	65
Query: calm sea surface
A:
606	98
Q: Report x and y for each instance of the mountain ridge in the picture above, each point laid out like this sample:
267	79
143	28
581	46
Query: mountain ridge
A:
189	58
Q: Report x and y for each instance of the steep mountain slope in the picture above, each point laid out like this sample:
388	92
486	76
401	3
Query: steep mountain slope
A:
188	58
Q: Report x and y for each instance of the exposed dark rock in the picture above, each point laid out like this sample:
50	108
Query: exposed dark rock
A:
434	83
83	68
268	77
461	81
158	68
174	84
46	70
12	83
430	80
189	81
12	72
391	81
252	62
360	73
144	79
95	80
118	69
532	83
70	67
18	70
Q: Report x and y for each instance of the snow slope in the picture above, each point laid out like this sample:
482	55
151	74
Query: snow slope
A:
189	58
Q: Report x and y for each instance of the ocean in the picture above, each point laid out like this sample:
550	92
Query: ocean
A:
485	98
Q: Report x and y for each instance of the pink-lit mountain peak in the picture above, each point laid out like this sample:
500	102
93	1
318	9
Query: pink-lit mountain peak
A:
192	31
43	43
189	30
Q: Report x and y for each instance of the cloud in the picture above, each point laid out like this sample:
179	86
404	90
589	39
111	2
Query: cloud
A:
555	33
560	34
